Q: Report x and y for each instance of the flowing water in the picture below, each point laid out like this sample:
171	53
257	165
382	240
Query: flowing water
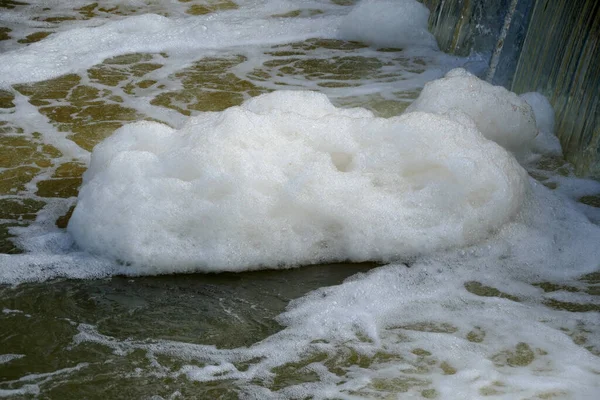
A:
462	277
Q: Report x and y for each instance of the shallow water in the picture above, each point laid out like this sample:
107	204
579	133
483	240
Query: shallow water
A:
514	316
225	310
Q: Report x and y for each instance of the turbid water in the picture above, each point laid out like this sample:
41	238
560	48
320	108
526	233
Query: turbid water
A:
448	252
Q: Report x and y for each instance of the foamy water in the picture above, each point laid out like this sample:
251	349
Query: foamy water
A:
234	136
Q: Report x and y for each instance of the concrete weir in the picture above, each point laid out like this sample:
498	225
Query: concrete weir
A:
548	46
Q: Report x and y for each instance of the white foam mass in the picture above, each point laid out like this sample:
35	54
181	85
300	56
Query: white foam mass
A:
542	109
512	343
366	338
500	115
546	141
287	178
388	23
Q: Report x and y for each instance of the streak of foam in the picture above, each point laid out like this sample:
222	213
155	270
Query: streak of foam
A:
397	329
6	358
30	384
79	48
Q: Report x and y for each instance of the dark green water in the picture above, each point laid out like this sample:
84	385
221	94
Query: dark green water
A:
225	310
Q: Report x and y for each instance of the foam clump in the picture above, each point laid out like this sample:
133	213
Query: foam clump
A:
546	141
542	109
499	114
289	179
388	23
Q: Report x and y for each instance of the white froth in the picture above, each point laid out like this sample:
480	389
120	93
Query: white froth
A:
422	329
500	115
31	383
542	109
546	141
287	178
388	23
6	358
80	48
393	315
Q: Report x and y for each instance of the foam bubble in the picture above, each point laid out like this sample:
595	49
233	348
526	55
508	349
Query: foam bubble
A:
542	109
6	358
82	47
458	324
546	141
388	23
399	329
483	308
500	115
286	179
30	384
